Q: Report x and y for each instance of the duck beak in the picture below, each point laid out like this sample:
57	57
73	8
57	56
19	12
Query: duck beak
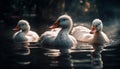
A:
17	28
93	28
55	25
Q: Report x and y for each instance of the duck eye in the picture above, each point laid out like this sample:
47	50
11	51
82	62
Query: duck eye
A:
63	20
22	24
98	24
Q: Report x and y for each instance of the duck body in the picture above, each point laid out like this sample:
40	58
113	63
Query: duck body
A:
59	38
30	36
82	34
48	37
19	36
93	36
99	38
24	33
64	40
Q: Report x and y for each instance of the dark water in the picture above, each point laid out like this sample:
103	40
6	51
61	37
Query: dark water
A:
82	57
17	56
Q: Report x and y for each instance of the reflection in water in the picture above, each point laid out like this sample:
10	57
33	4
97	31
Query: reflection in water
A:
47	59
81	56
21	53
84	56
96	62
63	61
52	53
96	58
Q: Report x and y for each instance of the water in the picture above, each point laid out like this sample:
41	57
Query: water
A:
82	57
20	56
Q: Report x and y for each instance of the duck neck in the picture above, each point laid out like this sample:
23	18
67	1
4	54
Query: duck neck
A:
98	32
66	30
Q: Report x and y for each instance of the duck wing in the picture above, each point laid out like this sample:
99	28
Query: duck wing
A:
19	37
82	33
48	37
32	36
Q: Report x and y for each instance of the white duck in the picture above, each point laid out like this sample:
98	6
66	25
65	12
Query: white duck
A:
24	33
93	36
99	36
60	38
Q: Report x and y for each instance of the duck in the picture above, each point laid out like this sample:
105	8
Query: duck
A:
59	37
95	35
23	32
99	37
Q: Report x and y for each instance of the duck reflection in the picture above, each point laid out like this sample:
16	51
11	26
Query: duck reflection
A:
63	61
96	58
52	53
21	49
21	53
58	59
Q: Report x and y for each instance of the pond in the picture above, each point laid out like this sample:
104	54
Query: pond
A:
16	56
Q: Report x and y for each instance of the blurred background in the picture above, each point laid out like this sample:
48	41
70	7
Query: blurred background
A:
42	13
45	12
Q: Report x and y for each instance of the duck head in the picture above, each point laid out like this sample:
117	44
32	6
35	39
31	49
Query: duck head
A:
64	21
97	26
22	25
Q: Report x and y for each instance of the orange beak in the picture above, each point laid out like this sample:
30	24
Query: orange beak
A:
55	25
93	28
17	28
